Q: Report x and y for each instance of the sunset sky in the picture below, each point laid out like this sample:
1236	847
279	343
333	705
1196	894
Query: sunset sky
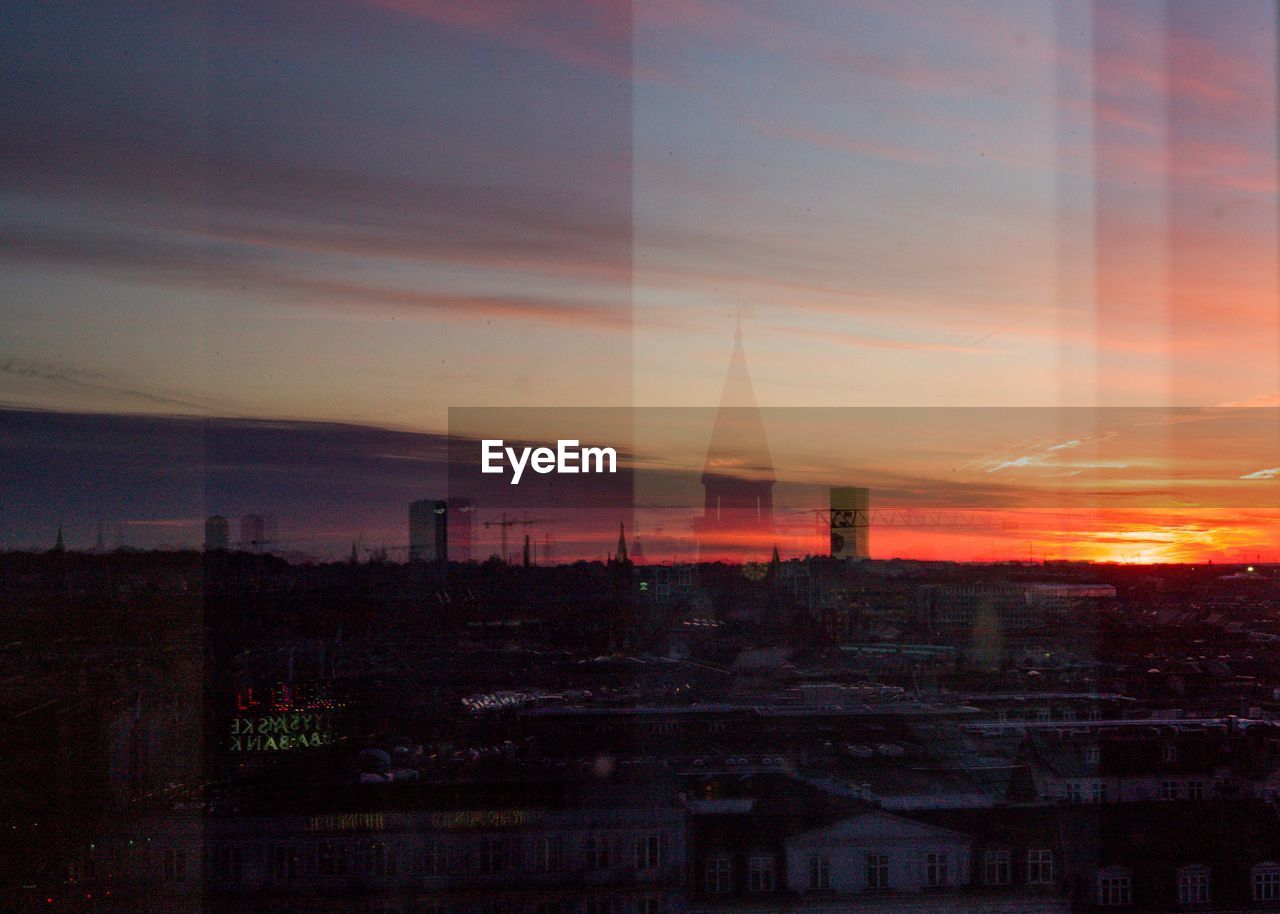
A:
369	212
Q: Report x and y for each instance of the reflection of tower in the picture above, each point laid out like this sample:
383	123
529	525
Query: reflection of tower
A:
257	532
850	510
738	476
458	516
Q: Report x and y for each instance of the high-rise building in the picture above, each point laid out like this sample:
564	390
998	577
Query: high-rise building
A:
217	532
850	522
440	530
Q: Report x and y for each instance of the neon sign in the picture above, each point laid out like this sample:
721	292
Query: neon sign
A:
281	732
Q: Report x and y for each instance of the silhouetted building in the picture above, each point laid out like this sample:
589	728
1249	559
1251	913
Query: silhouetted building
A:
217	532
440	530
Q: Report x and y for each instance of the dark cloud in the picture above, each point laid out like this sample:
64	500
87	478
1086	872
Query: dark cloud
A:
326	483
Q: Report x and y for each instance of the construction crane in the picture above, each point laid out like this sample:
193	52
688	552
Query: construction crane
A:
902	517
825	519
505	524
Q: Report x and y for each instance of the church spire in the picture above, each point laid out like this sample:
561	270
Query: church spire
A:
622	544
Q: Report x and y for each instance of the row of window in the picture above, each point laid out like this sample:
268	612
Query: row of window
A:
1096	791
489	854
643	905
1045	715
1115	885
997	869
762	874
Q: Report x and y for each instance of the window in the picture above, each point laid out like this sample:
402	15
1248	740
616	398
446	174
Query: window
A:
648	852
382	859
491	855
548	854
877	871
1039	866
935	870
435	859
1193	884
648	906
717	874
819	871
599	906
1044	715
175	864
1092	755
1115	888
284	862
1266	882
761	873
1098	792
230	863
1168	790
998	867
332	858
1074	794
1195	790
597	852
1169	753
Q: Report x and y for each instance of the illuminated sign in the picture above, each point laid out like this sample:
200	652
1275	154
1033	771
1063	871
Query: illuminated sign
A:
356	821
288	696
281	731
480	818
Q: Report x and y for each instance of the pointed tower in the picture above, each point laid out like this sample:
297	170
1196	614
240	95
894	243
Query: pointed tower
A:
738	476
59	546
622	544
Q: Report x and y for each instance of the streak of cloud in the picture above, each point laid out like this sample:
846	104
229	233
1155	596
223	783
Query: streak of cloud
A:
1270	473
